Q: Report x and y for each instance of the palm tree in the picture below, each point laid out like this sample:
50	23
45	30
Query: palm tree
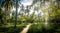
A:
27	10
22	9
7	4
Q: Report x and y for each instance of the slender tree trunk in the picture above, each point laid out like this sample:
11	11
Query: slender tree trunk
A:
16	14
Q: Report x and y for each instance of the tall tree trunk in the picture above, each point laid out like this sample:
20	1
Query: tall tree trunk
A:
16	14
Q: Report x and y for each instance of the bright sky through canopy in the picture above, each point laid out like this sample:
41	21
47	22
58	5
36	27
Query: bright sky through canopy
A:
26	2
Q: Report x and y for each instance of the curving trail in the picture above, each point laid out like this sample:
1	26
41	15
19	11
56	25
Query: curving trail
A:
25	29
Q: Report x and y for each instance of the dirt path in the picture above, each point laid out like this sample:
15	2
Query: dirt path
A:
25	29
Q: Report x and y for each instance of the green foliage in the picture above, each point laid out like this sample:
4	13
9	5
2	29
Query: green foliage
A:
49	9
10	28
41	28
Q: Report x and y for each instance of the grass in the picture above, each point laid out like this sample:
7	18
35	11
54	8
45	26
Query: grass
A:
40	27
9	28
36	27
